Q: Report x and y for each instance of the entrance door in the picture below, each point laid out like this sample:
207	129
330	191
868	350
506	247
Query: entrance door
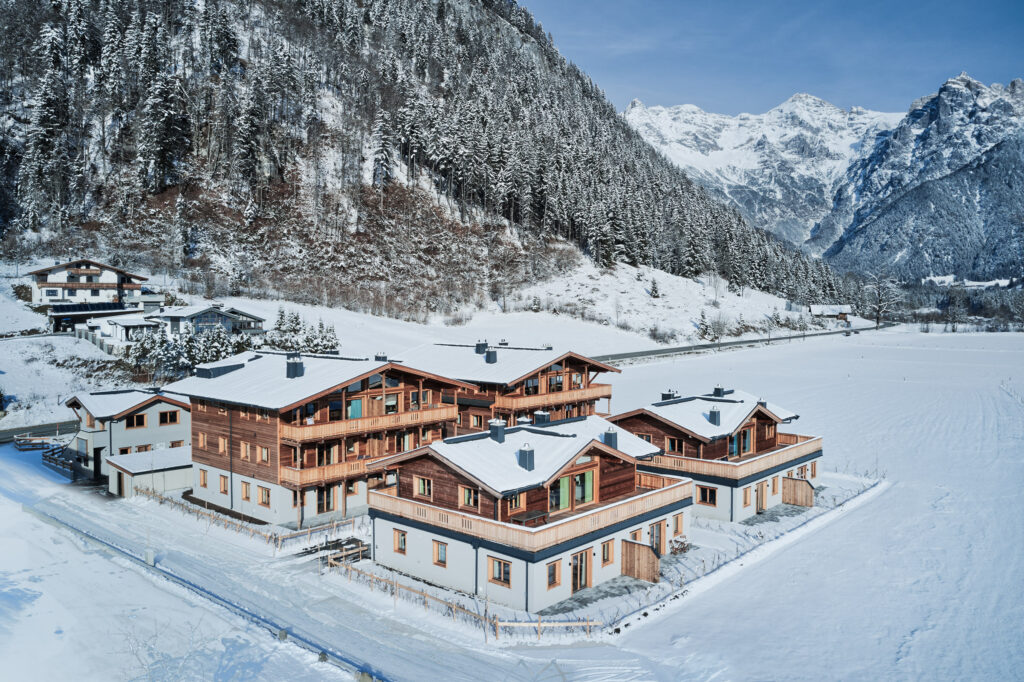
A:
580	570
324	500
658	537
97	459
762	496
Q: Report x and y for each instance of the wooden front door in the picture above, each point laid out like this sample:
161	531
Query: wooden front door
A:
580	570
658	537
762	496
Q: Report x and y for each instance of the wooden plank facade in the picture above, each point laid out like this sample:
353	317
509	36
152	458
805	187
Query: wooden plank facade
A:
677	441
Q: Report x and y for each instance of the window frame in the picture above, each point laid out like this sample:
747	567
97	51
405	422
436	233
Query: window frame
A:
775	485
124	451
417	485
243	450
439	549
177	444
246	491
678	524
177	418
636	535
223	484
201	435
492	563
262	493
264	454
746	496
401	541
814	469
131	421
520	499
202	478
710	499
222	445
465	490
607	552
557	582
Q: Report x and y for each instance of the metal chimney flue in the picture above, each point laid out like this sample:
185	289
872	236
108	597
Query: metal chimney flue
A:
669	395
481	347
525	457
714	416
611	439
497	429
293	366
491	356
719	392
541	417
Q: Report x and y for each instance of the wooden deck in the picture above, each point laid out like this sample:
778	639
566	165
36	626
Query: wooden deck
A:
336	429
574	395
741	468
534	538
322	475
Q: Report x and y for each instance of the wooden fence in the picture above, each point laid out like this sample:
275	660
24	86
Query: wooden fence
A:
489	623
640	561
253	531
798	491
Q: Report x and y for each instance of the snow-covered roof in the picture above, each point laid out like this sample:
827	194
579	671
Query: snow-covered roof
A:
261	378
463	362
496	465
189	311
693	413
831	309
106	404
73	263
154	460
129	321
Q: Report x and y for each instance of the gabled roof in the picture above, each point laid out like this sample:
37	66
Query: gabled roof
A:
260	378
692	414
514	363
495	467
153	460
72	263
190	311
116	404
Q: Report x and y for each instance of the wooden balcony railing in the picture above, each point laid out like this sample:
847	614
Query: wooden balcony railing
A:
304	432
324	474
84	271
572	395
88	285
743	468
537	537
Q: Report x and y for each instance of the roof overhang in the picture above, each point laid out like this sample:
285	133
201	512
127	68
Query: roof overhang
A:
582	358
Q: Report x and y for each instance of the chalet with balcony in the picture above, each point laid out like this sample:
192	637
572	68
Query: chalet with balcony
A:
284	437
528	515
730	444
122	422
517	383
202	318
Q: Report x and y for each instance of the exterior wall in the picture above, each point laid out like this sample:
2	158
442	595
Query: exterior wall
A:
152	434
40	294
467	568
160	481
235	425
279	511
660	432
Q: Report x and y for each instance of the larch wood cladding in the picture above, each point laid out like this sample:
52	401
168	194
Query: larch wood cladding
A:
616	478
444	484
231	425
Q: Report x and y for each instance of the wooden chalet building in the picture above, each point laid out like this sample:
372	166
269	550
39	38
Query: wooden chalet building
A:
527	515
729	443
515	383
284	437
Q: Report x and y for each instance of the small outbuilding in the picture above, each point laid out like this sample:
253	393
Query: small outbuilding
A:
158	470
835	312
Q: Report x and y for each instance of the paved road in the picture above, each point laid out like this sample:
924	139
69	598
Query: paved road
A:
52	429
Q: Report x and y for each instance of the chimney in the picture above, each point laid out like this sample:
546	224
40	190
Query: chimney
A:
380	357
611	438
714	416
217	305
719	392
497	430
293	366
491	356
670	394
523	421
503	342
762	403
481	347
524	455
541	417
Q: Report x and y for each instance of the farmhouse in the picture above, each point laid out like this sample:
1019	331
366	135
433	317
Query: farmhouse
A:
286	437
728	442
121	422
515	383
528	515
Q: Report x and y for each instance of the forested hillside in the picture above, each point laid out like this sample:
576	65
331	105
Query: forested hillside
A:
387	155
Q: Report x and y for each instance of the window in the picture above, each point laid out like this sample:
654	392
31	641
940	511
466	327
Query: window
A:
814	469
264	455
775	485
51	292
143	448
645	436
263	414
94	292
224	484
802	472
554	383
733	446
515	502
746	442
424	487
264	496
335	410
72	292
499	571
477	421
391	403
354	408
202	440
135	421
677	525
708	496
168	418
469	497
244	411
554	574
530	387
607	552
789	474
202	478
440	554
746	496
221	409
458	419
244	450
90	421
769	430
123	451
675	445
636	535
583	487
222	444
245	490
177	443
399	541
200	406
296	498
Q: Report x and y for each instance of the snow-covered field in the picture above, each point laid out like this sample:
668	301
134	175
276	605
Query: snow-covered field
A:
923	579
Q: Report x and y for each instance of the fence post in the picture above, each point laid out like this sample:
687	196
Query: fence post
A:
538	627
394	582
495	628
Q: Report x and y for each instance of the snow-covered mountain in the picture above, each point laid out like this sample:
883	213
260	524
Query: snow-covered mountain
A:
780	168
937	190
942	192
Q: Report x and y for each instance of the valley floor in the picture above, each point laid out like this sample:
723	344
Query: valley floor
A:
921	580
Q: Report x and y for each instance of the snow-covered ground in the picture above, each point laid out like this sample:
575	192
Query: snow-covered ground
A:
923	579
15	315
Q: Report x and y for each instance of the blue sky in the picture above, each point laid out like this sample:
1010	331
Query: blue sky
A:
731	57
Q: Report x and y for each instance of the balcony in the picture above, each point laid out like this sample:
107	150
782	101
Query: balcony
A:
744	467
96	272
534	538
532	402
301	478
346	427
88	285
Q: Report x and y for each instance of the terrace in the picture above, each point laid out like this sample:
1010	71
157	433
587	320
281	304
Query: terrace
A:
790	448
298	433
572	395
